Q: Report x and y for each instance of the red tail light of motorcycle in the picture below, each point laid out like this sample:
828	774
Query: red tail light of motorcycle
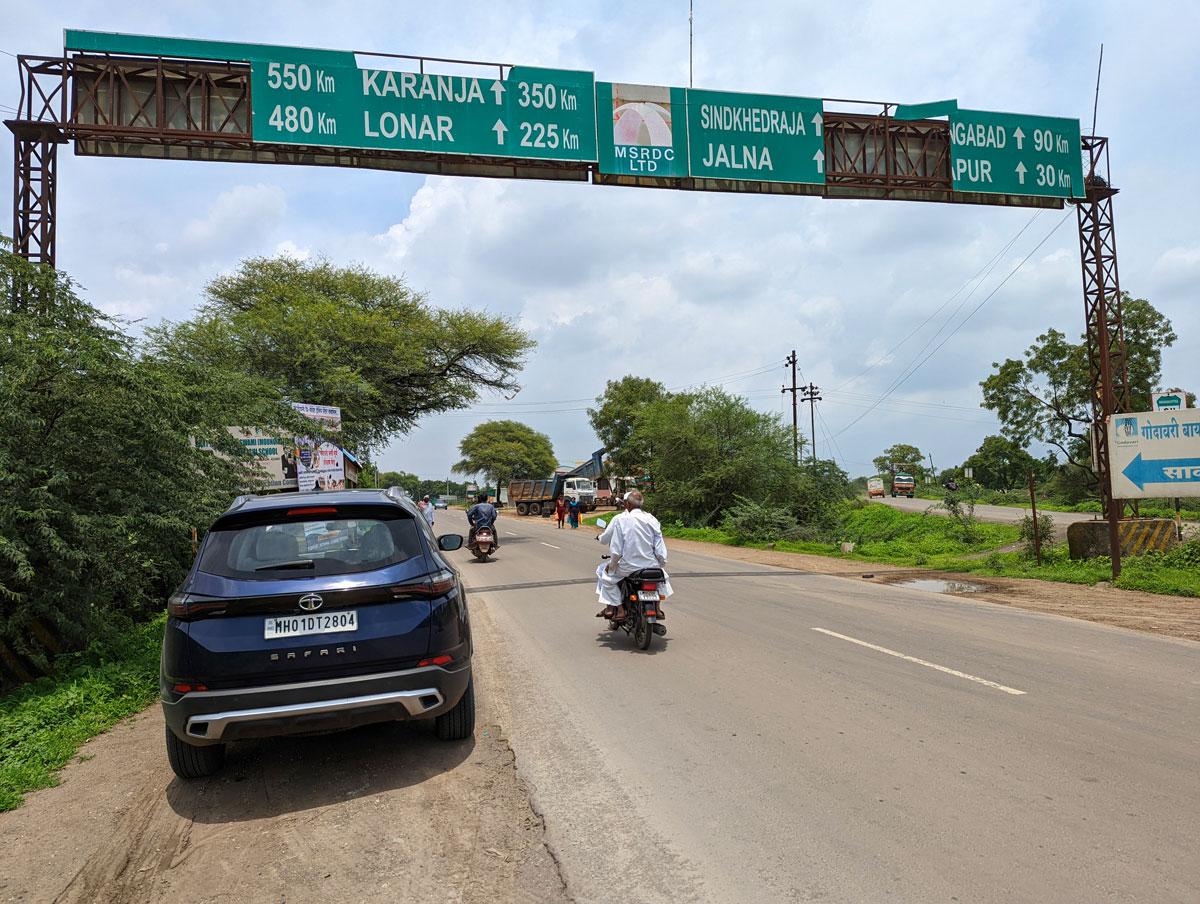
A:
649	585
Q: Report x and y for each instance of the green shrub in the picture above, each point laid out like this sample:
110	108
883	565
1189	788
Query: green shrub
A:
1045	533
752	522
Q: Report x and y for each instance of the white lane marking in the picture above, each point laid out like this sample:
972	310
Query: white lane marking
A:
931	665
551	545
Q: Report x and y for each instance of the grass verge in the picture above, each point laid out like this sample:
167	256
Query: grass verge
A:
43	724
887	536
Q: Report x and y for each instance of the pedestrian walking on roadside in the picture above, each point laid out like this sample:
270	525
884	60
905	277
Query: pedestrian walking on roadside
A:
573	512
427	509
560	510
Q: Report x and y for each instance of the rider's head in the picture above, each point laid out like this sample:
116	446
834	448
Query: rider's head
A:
633	500
481	498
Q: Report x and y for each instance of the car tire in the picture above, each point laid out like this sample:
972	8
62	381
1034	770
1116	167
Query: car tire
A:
459	723
191	762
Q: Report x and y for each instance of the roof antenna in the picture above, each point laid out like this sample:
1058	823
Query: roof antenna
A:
1096	102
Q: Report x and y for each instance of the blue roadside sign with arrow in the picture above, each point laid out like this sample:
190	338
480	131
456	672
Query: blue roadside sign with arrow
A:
1155	453
1178	472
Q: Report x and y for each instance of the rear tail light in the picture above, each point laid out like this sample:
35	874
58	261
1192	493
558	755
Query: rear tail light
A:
189	605
649	585
438	584
436	660
313	510
186	687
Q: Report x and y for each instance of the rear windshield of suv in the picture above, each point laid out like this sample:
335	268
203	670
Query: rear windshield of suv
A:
305	548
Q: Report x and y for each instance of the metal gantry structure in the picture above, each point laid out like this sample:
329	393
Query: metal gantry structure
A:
116	105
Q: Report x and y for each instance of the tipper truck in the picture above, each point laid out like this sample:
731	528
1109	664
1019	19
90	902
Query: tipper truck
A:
537	497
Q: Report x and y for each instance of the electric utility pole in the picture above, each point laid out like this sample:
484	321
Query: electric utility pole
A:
811	396
793	389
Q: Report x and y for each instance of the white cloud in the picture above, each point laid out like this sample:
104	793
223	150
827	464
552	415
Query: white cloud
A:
233	214
684	287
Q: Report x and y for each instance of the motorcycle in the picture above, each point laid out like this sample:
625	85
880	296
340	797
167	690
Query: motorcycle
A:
483	544
643	606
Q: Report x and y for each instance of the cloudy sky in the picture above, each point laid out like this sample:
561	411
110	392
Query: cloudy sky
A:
686	288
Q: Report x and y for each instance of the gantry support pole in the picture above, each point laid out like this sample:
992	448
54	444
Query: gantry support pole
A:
1109	378
35	189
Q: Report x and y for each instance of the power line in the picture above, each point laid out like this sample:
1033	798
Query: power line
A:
899	381
980	275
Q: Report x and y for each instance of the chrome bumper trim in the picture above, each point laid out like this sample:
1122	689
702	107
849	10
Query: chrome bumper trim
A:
212	727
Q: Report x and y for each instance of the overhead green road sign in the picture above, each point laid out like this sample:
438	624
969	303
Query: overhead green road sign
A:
1015	154
641	130
322	97
756	137
546	114
926	111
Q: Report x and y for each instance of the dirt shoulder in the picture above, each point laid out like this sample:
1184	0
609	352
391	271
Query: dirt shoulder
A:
1172	616
384	813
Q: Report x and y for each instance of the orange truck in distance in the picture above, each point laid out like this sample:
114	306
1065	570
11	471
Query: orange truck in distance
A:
903	485
875	488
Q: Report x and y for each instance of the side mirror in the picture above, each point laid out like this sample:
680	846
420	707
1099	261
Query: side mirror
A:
450	542
601	523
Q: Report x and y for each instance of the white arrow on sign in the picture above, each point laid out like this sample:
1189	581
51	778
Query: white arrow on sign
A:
819	156
1020	136
816	121
500	128
497	90
1021	173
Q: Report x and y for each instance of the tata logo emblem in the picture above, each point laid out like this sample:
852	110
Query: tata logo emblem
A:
311	602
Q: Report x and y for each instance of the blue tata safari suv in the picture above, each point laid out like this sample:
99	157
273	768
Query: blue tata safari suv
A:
309	612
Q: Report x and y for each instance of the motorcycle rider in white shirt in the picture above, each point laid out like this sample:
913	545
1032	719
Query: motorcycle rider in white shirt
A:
635	541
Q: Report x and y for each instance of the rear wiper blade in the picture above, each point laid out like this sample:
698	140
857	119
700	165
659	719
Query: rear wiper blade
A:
281	566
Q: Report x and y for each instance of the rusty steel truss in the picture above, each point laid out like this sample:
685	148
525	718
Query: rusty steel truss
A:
1109	383
164	108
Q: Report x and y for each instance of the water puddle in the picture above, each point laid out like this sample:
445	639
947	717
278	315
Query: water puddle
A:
937	585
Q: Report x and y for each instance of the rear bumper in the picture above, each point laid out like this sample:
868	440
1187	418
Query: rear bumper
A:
212	717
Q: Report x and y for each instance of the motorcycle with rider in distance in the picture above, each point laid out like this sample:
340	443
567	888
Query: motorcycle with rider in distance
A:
483	543
642	602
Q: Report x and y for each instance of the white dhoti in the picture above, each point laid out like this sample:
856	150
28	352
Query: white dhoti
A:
608	583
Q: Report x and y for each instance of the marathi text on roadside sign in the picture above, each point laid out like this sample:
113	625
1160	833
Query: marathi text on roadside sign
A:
755	137
641	130
1015	154
1155	454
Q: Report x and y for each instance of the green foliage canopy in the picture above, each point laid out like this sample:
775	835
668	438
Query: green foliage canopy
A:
100	480
349	337
503	450
615	419
901	457
1045	396
1001	464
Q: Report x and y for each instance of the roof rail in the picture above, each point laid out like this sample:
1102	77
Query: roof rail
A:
394	493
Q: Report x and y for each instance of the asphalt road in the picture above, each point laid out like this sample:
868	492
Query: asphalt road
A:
802	737
999	514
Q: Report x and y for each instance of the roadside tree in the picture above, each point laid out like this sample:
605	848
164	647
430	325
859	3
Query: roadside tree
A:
615	419
1044	395
1001	464
901	457
100	474
709	450
349	337
502	450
